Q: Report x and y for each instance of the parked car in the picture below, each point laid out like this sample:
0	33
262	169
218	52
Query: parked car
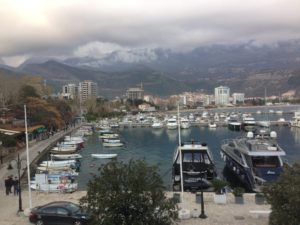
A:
59	213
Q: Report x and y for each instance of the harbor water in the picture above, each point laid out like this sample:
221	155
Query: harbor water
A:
156	147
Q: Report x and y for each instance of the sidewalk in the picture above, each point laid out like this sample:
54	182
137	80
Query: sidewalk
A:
228	214
34	151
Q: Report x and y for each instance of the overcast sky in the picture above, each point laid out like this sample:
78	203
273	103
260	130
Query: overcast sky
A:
65	28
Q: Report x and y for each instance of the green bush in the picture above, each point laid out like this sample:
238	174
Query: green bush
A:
218	185
8	141
238	191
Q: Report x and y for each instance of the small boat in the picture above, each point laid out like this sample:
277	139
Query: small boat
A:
172	123
64	162
157	125
104	156
76	139
57	150
248	123
61	187
66	156
212	125
111	144
184	123
108	134
234	125
55	169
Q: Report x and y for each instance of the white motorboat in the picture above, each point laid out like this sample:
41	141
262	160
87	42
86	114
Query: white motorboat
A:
157	125
184	123
61	187
248	123
212	125
108	134
104	156
62	150
172	123
54	169
78	140
296	121
53	164
112	143
66	156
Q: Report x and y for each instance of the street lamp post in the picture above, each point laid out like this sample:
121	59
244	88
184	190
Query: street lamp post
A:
18	163
1	154
202	215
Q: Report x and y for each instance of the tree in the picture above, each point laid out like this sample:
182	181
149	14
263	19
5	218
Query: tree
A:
27	91
128	194
284	197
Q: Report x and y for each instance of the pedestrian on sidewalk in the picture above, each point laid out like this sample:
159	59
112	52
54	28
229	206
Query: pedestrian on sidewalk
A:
16	186
8	185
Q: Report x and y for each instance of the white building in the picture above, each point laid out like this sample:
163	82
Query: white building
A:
208	100
238	98
70	91
87	90
135	93
222	94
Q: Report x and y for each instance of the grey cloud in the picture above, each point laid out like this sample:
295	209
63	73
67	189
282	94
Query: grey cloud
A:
78	28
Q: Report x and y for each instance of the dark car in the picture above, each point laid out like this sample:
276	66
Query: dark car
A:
59	213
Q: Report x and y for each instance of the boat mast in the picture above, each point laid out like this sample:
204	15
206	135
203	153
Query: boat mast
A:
180	153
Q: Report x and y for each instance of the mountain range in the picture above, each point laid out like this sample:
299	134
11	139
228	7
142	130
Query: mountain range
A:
247	68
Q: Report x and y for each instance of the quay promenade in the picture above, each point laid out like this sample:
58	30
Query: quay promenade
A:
35	149
229	214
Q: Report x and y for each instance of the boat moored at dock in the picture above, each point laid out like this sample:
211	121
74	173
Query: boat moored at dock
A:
255	159
198	168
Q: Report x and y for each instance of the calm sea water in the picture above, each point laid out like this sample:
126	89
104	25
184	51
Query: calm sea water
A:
157	146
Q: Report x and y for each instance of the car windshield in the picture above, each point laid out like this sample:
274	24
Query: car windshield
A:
73	207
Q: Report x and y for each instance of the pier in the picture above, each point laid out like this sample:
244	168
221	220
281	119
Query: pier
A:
196	124
37	150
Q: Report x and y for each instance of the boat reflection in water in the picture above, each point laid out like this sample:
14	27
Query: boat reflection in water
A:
198	168
255	159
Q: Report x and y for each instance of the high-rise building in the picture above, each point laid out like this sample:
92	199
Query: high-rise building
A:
135	93
238	98
87	90
222	94
70	91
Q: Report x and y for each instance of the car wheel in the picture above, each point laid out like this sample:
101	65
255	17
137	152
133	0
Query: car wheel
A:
39	222
77	223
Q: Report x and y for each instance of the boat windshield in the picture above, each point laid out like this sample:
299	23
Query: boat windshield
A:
265	161
196	157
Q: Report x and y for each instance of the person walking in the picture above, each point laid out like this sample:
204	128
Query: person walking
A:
16	186
7	185
10	183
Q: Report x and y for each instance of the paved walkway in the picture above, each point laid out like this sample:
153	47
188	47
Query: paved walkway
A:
34	150
228	214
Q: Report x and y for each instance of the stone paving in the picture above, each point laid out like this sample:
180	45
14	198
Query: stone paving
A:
228	214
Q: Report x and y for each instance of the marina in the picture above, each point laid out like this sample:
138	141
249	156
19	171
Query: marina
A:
156	146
